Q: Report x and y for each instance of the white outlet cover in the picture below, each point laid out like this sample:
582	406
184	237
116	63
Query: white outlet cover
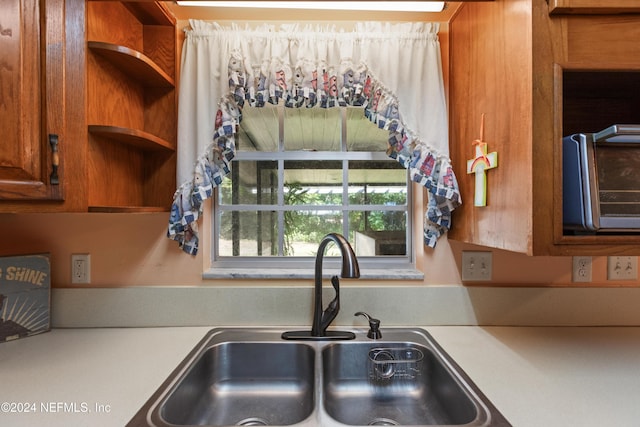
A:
622	268
476	266
80	268
581	272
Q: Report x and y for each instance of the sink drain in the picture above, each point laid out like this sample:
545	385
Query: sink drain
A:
383	422
255	421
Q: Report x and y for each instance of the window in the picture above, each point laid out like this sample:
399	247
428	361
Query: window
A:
300	173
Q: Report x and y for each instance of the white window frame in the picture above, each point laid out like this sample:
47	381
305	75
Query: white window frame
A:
375	267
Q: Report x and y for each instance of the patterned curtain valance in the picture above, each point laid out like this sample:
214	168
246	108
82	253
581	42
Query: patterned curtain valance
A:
306	69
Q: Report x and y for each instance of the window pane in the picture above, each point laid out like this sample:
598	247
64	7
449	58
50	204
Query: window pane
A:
252	183
315	200
379	232
313	129
248	233
378	220
312	182
377	183
362	135
305	229
258	130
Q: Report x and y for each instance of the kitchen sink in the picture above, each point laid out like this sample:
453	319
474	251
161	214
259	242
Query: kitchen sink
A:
392	384
244	383
254	378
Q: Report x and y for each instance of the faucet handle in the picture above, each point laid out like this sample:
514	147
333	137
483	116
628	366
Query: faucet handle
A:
374	326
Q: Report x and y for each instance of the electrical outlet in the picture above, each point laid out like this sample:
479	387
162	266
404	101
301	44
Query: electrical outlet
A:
622	268
581	269
81	268
476	266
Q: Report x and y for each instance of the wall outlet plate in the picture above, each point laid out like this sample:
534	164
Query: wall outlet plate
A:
81	269
581	269
622	268
476	266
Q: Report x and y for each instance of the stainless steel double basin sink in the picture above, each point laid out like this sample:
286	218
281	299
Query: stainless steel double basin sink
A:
243	377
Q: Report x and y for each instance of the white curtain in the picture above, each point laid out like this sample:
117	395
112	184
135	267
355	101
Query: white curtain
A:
393	70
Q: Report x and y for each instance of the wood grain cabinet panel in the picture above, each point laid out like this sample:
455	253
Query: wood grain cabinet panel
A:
36	145
536	77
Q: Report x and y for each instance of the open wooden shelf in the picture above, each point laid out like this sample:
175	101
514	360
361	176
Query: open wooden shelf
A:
131	106
134	64
151	13
134	137
126	209
582	7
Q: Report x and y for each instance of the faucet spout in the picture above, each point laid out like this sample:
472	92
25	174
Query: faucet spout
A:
322	318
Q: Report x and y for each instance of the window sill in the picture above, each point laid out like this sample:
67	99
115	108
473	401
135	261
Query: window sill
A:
291	273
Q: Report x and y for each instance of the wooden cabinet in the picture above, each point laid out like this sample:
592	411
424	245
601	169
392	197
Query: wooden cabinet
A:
594	6
536	77
38	149
99	78
131	107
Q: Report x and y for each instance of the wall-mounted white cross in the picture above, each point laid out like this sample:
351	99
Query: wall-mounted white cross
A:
479	164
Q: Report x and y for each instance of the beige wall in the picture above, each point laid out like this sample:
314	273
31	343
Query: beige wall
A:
132	250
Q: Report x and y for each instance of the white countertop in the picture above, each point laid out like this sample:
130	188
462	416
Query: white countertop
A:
536	376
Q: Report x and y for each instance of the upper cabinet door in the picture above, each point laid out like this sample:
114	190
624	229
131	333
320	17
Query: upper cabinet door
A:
30	167
535	79
593	6
42	106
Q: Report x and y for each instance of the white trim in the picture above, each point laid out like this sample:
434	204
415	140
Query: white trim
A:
393	273
383	6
